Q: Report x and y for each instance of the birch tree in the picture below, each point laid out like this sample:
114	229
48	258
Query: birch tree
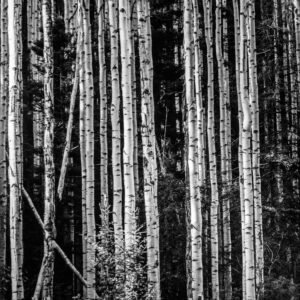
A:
49	203
116	134
253	100
149	149
237	38
128	146
225	138
132	24
82	141
249	264
14	147
193	136
3	136
84	9
208	21
103	104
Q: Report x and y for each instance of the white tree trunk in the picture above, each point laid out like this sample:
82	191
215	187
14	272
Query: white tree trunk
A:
149	148
49	201
89	150
3	137
14	146
207	6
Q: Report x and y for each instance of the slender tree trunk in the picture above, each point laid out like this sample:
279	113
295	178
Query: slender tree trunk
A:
228	163
14	146
89	150
103	105
131	46
116	143
246	157
3	136
253	100
240	149
278	110
128	146
49	203
65	160
82	141
19	143
208	21
225	140
149	150
193	100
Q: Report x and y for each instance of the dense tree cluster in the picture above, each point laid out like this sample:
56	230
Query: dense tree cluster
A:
149	149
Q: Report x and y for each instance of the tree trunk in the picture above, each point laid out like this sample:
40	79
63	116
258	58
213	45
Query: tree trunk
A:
193	99
131	46
149	149
3	136
89	149
82	141
214	208
249	265
116	144
14	146
278	109
128	146
103	105
225	140
49	203
253	101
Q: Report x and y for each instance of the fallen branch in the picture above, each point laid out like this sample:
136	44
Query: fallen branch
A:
55	245
279	210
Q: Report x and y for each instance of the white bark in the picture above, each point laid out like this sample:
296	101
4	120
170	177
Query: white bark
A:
207	5
3	137
14	146
49	200
149	148
128	147
116	140
89	150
